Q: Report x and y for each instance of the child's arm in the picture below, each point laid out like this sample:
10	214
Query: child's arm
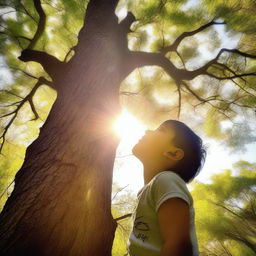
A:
173	217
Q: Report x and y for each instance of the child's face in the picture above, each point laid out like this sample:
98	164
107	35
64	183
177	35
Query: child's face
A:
155	143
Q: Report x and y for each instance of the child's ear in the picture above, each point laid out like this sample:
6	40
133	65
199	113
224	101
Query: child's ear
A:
175	154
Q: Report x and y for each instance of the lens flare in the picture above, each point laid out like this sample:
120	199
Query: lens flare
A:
128	127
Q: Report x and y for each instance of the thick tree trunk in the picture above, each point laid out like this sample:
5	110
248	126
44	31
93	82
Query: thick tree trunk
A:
61	203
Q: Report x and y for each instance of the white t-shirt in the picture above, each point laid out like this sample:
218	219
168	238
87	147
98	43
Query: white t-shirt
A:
145	238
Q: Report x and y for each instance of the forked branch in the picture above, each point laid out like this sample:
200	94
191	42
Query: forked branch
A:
51	64
174	46
14	113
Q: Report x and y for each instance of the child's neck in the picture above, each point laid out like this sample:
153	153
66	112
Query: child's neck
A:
150	171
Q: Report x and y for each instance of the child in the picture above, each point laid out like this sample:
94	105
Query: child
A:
163	221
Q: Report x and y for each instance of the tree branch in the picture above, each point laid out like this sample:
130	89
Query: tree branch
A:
225	248
207	100
50	64
6	91
174	46
183	63
124	28
119	192
237	237
138	59
238	52
125	24
28	98
179	106
123	217
203	69
68	53
41	24
218	65
6	189
230	77
193	93
26	11
227	209
9	33
44	80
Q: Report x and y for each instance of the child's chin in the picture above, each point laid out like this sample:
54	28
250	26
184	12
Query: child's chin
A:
135	149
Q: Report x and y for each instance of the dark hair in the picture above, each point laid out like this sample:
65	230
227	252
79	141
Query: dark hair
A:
194	152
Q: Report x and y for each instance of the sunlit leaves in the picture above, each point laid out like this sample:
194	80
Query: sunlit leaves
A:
212	125
247	43
222	212
188	51
234	12
249	100
181	18
10	161
123	202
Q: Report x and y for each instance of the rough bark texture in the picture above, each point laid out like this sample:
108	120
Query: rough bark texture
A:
61	203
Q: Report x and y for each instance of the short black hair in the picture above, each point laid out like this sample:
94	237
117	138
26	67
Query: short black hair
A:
194	151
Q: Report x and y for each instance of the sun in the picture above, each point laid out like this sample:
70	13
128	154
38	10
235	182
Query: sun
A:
127	169
127	127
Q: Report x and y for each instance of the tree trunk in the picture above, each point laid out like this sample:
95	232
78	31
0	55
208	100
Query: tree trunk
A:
61	203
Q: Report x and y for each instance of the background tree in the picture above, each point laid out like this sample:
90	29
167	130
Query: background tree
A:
78	52
228	228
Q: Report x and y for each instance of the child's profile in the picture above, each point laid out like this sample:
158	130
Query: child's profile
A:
163	221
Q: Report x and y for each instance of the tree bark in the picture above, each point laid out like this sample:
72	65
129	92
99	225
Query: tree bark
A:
61	203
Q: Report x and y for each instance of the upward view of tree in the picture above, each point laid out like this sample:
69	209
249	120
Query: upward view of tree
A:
68	58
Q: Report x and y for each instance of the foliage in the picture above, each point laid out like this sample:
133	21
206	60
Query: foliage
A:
123	203
225	212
